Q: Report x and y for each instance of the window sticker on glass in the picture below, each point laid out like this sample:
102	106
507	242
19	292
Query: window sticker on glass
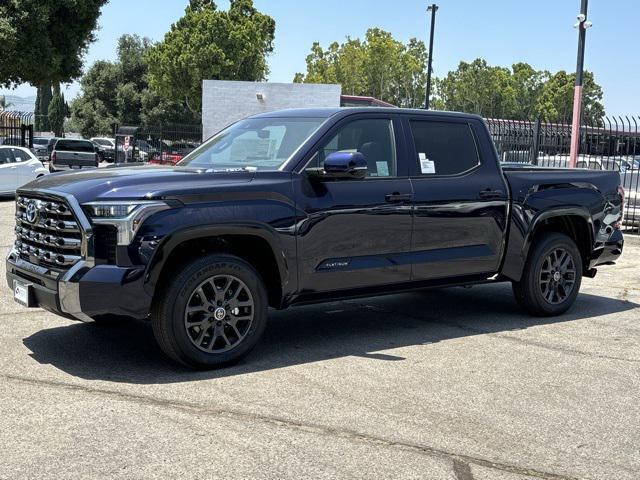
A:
426	165
383	169
252	149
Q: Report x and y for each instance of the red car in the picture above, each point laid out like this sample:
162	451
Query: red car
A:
176	153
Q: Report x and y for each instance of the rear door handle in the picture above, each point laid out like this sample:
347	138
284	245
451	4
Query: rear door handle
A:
490	194
396	197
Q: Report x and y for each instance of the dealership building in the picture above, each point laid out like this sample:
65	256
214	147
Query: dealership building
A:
225	102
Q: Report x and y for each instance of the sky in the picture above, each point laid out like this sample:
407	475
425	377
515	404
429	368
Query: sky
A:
503	32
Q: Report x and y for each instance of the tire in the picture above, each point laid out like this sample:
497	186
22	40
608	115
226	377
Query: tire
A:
204	338
540	291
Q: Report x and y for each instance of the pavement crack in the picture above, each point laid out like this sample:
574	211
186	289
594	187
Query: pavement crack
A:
352	435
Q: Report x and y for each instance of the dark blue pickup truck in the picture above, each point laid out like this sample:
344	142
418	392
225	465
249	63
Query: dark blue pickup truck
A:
305	206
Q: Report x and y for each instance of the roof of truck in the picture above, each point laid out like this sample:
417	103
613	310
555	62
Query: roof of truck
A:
331	111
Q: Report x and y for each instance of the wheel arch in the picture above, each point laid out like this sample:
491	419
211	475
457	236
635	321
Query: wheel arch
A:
254	243
576	223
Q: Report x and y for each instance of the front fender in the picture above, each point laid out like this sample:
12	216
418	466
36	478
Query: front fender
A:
171	241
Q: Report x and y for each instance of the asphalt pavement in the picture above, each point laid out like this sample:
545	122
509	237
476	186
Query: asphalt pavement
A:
447	384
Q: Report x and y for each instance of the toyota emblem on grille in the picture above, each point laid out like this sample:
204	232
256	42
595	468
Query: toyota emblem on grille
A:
31	213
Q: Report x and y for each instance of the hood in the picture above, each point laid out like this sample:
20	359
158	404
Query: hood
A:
135	182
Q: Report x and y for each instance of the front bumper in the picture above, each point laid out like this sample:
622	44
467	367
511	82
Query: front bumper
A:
83	292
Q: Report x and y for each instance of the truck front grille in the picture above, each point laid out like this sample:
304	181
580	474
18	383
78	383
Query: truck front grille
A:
47	233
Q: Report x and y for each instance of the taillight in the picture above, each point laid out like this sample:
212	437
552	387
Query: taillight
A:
53	157
622	197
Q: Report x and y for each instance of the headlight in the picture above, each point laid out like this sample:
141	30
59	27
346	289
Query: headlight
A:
110	210
126	216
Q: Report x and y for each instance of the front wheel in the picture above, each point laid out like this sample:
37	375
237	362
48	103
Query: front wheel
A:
552	276
212	313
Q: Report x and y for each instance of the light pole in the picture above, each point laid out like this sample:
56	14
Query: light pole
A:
582	26
433	8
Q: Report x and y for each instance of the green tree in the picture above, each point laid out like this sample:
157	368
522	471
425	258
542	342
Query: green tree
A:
95	110
555	103
479	88
520	92
207	43
57	113
118	93
42	42
528	84
379	66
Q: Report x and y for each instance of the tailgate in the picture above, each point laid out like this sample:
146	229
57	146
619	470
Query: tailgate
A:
75	159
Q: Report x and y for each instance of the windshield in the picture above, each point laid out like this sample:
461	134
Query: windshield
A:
253	143
103	142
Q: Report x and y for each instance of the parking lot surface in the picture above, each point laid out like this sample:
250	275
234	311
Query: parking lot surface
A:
446	384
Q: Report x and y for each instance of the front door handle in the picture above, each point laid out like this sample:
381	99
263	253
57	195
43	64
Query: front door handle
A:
488	194
396	197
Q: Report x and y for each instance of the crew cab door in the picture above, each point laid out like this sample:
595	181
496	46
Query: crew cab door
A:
460	198
25	166
356	233
8	170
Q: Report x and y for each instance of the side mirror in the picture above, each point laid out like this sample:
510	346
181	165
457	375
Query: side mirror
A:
352	165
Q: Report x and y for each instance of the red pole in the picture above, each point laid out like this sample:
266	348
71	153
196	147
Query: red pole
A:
582	26
575	126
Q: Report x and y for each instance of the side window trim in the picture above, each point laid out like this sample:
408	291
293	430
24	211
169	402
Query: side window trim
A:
398	145
412	151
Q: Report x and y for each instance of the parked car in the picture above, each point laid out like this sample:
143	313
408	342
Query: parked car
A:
174	153
304	206
50	145
73	154
18	166
40	148
604	163
106	147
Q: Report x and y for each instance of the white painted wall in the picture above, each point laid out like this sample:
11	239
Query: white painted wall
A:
225	102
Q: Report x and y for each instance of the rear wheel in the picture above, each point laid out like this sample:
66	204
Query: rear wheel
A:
552	276
212	313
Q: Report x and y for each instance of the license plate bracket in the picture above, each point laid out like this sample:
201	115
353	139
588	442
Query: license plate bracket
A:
23	293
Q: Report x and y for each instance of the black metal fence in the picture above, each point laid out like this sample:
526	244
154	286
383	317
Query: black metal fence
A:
613	143
166	144
16	128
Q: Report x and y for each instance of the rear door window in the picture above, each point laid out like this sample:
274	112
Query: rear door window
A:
443	148
20	155
6	156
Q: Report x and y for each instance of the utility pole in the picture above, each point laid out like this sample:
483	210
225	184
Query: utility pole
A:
433	8
582	26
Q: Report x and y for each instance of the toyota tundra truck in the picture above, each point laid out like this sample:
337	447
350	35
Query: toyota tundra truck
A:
304	206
